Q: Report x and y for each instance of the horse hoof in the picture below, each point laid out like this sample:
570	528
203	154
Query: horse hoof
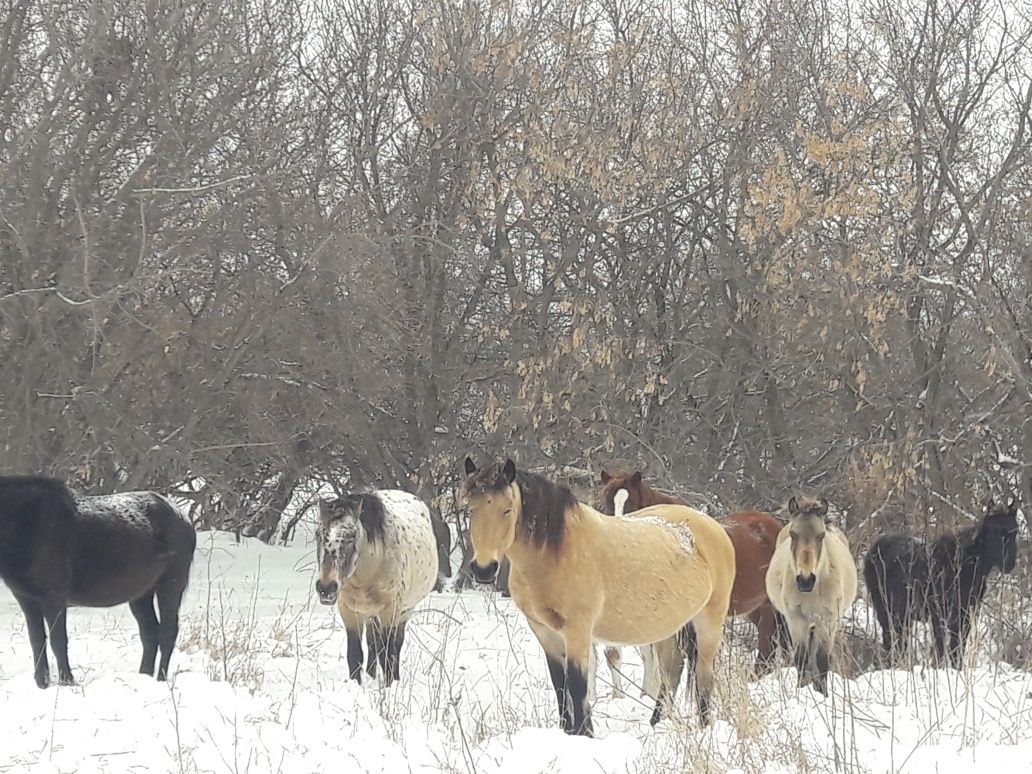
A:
656	717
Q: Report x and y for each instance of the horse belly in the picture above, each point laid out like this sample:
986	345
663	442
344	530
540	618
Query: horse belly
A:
114	589
651	611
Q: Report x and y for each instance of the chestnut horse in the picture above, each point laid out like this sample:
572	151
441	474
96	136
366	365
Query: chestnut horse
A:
574	578
754	536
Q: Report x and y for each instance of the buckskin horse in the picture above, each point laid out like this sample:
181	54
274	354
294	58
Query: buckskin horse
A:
754	535
576	582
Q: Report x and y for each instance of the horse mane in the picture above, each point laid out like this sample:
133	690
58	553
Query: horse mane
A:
17	491
543	515
371	514
542	518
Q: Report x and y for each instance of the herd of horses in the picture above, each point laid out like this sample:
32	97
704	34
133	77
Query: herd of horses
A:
644	570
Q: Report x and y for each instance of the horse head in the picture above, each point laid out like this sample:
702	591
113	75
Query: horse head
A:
629	483
806	531
494	502
340	539
998	535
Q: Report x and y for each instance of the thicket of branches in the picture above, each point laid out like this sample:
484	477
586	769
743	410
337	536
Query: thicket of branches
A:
753	246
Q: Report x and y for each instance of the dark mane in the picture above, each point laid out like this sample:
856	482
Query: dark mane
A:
542	518
371	514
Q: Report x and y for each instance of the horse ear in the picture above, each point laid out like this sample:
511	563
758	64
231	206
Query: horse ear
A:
989	504
636	478
471	467
509	471
793	505
606	477
1012	504
822	507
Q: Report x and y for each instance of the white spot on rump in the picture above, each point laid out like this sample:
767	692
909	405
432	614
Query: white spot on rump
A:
679	530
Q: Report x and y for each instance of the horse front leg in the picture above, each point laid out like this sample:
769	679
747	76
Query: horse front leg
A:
57	623
821	649
578	661
353	626
939	633
555	657
959	626
33	612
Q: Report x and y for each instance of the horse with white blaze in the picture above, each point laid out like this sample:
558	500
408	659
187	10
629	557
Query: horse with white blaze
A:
377	560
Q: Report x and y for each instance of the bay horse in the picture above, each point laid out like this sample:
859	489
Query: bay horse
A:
378	559
754	535
812	582
945	581
580	577
58	550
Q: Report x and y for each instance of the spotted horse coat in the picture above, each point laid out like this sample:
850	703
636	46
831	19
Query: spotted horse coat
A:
378	560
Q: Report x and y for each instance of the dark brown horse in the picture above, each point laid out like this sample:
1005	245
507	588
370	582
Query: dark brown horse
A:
754	536
58	551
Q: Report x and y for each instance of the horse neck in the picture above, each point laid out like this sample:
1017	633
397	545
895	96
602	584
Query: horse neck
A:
524	553
369	564
650	496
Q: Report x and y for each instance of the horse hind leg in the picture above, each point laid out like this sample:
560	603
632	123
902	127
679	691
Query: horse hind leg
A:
394	638
670	658
170	598
143	611
766	620
709	631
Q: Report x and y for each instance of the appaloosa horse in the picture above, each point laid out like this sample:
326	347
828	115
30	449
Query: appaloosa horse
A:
910	580
58	550
812	582
576	581
754	536
377	560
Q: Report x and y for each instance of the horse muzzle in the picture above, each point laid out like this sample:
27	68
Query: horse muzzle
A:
805	582
485	573
327	592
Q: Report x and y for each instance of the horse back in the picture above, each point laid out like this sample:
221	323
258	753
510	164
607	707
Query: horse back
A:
410	546
755	536
125	544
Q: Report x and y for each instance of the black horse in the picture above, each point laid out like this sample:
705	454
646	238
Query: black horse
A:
57	551
945	581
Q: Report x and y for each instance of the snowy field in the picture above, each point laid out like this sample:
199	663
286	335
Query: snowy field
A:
260	685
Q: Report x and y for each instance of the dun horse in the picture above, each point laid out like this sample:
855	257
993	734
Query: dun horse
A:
754	536
945	582
57	551
377	560
812	581
581	577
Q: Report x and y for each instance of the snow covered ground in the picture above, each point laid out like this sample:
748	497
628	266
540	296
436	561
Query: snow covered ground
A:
260	685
